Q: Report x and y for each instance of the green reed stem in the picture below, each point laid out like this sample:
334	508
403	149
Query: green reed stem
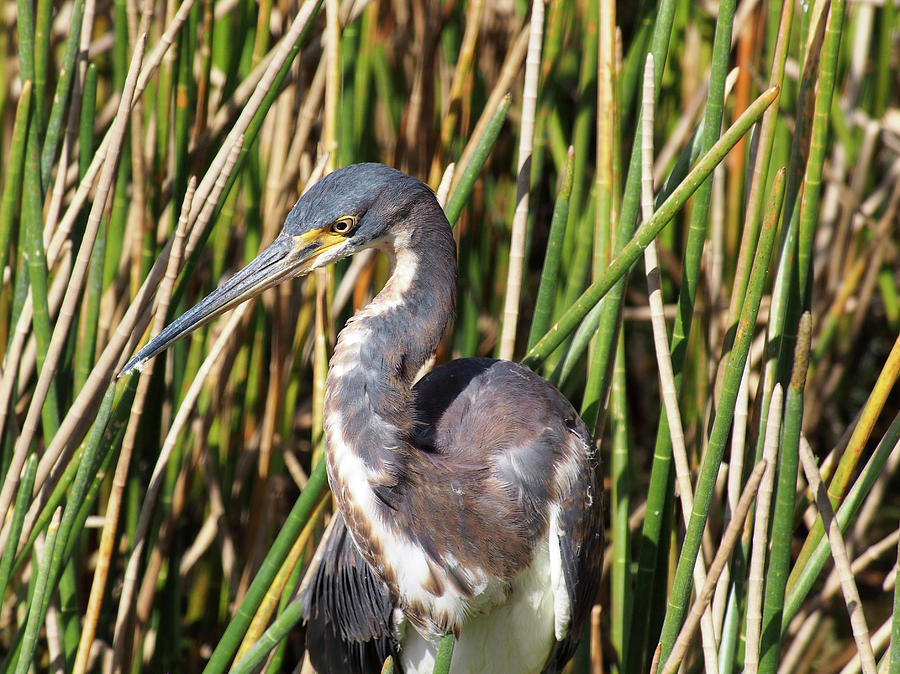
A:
678	603
543	305
35	619
32	204
821	554
61	96
13	182
279	550
621	597
647	232
785	500
23	498
662	454
90	318
472	170
444	654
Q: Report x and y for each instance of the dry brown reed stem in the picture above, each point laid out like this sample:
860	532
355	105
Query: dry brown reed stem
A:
219	521
151	63
801	642
874	503
661	348
143	604
464	62
723	554
755	577
523	184
75	284
123	617
841	561
508	72
120	346
114	502
833	586
280	54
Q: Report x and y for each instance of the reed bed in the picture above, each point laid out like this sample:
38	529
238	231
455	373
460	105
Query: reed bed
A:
683	214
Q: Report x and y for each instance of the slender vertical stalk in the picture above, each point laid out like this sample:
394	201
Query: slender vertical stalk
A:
841	561
785	497
677	604
35	619
755	585
543	305
523	184
12	183
646	233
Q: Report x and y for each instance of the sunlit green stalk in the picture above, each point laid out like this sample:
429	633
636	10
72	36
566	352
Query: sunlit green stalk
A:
807	574
543	306
278	551
444	654
659	473
13	182
32	219
647	232
35	614
84	356
785	499
620	506
23	497
718	437
472	170
61	96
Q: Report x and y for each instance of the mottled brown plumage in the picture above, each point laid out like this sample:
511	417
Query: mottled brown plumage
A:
469	502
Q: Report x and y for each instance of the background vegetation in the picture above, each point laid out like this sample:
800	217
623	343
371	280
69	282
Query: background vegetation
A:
162	522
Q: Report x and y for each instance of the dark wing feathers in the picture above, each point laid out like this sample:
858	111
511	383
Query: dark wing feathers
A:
347	611
581	548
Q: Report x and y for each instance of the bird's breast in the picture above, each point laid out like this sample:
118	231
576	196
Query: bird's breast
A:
514	636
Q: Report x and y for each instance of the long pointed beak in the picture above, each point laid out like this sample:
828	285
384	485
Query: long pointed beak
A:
287	257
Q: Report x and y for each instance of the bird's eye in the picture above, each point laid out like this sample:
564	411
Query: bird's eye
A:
343	225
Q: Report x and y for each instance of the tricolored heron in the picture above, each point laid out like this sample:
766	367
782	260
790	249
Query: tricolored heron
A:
469	501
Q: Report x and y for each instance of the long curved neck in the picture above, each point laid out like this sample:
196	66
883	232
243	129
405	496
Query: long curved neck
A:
369	404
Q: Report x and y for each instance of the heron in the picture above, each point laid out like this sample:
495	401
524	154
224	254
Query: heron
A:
468	500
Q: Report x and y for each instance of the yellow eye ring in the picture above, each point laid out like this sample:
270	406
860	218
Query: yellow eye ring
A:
343	225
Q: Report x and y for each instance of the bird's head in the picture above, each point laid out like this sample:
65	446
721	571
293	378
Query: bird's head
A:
354	208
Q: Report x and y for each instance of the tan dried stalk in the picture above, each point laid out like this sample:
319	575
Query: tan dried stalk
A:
114	502
508	73
723	554
760	534
523	185
841	561
120	346
123	617
75	284
151	63
663	359
474	11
